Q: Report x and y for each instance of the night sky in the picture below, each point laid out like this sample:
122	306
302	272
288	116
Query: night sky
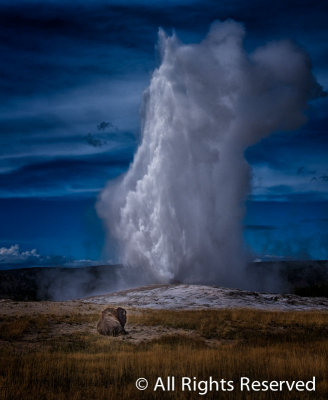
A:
72	76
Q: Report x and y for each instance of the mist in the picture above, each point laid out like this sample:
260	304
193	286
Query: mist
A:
176	215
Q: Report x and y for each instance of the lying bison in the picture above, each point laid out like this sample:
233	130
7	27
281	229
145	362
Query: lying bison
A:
112	321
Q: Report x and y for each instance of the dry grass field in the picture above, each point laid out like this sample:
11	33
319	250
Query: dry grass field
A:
51	351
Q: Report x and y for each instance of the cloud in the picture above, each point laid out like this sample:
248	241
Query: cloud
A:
65	175
14	255
259	227
288	184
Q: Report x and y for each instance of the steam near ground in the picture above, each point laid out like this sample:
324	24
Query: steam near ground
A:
176	214
306	278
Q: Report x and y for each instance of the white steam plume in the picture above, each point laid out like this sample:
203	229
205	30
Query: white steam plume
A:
176	214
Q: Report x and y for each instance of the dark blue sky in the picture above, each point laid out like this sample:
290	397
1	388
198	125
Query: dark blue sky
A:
68	66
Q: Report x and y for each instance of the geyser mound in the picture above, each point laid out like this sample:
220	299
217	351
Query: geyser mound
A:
176	214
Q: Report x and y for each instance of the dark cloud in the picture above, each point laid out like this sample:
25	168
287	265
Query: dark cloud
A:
259	227
290	151
53	43
64	175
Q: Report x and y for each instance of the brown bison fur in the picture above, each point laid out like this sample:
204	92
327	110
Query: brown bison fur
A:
112	321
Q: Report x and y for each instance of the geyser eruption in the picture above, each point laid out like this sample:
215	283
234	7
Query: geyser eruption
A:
177	213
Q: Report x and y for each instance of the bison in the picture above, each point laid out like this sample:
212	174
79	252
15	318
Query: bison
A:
112	321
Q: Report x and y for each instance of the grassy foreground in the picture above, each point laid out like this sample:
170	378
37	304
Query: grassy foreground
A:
59	355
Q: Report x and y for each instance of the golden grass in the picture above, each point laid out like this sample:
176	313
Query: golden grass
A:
242	324
13	328
88	366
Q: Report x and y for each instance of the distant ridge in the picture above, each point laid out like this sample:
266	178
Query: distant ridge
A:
305	278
